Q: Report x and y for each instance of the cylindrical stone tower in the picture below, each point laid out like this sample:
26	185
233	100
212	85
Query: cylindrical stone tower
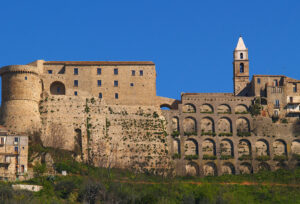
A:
21	92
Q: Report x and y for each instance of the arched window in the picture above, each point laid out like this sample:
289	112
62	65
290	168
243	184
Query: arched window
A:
241	56
57	88
242	68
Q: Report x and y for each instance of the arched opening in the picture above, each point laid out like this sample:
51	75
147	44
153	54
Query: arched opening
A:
191	147
189	126
207	126
206	108
241	56
244	150
189	108
57	88
176	147
246	168
192	169
209	149
262	148
279	147
228	168
175	124
263	166
241	109
242	68
243	127
224	108
226	148
210	169
165	107
224	126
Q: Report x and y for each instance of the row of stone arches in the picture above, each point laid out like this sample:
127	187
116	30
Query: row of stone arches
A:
208	108
244	148
207	125
211	169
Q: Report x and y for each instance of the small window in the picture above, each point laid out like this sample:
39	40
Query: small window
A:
131	84
258	80
275	82
141	72
132	72
2	140
16	139
295	88
276	113
116	71
75	71
16	149
277	103
100	95
49	71
116	83
26	78
99	82
22	168
242	68
76	83
116	95
291	99
99	71
75	93
241	56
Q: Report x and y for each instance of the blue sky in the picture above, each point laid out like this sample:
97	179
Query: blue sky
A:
191	42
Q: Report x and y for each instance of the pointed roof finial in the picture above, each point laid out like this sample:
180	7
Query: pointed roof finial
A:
240	45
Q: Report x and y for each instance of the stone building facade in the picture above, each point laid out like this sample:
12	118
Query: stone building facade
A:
109	114
13	156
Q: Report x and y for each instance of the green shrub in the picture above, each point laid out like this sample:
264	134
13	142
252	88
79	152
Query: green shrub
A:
245	157
263	158
207	112
244	134
280	157
228	134
155	115
208	133
256	107
209	157
225	157
39	169
243	112
175	134
176	156
190	133
191	157
296	157
284	120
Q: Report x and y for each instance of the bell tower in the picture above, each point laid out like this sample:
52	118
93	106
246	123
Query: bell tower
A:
240	68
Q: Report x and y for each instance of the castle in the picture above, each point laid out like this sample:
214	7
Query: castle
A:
108	113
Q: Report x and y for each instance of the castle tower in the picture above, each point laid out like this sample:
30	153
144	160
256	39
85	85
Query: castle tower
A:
240	68
21	92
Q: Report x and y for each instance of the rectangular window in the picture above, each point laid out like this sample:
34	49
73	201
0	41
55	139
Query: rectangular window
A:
16	149
16	139
291	99
131	84
99	71
141	73
275	82
75	93
258	80
99	82
116	71
277	103
132	72
116	95
75	71
100	95
2	140
49	71
76	83
294	88
116	83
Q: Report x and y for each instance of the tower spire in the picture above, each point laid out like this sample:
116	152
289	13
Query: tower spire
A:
241	45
